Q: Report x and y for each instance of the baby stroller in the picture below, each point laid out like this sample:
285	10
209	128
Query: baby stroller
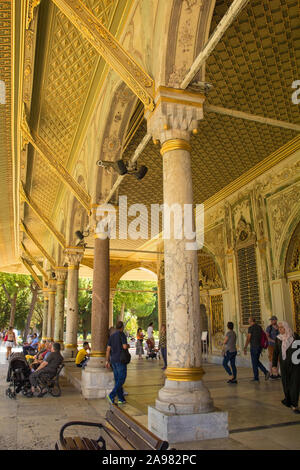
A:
17	375
151	352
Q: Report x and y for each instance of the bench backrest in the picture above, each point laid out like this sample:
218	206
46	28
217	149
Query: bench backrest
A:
134	432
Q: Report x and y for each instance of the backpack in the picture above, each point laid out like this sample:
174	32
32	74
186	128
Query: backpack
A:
264	340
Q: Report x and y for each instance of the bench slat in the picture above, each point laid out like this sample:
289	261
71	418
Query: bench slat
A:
141	430
138	442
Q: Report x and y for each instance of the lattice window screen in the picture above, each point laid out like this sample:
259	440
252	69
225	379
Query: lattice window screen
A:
295	288
248	284
217	318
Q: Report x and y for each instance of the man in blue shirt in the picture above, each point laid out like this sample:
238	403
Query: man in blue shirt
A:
32	345
116	342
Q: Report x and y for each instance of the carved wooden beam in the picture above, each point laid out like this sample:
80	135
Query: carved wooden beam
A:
46	221
34	261
37	244
32	272
45	152
109	48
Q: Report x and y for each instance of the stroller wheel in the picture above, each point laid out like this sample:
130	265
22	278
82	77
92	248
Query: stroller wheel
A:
55	391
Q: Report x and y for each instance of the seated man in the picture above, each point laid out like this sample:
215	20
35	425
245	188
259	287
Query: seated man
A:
33	345
47	367
82	355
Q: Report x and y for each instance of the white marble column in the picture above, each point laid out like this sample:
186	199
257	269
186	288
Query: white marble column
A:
51	309
73	257
45	314
184	405
61	275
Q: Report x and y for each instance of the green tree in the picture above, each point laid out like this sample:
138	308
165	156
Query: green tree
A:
136	302
84	306
15	296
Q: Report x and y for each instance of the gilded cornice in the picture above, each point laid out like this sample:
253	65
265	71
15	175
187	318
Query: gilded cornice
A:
37	244
46	221
110	49
32	272
33	260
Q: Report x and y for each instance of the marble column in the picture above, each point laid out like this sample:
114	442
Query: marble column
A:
45	314
111	309
51	309
161	292
97	381
184	408
61	275
73	257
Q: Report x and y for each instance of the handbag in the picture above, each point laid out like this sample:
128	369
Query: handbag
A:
125	356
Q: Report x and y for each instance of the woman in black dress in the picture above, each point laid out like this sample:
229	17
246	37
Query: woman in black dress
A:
287	345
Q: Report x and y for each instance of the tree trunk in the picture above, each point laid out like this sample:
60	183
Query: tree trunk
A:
13	306
122	312
34	289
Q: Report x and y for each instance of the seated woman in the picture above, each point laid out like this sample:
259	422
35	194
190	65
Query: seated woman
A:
35	361
82	355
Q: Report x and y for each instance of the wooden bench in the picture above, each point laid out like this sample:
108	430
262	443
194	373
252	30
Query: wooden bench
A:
121	432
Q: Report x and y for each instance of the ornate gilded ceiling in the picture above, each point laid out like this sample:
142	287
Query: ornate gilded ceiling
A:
7	237
251	70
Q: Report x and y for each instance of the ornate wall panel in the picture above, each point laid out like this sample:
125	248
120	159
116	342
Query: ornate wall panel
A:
295	292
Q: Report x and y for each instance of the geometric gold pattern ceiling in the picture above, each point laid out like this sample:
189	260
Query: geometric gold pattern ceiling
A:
251	70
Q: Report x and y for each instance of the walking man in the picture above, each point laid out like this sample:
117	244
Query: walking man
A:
116	342
230	353
254	338
272	332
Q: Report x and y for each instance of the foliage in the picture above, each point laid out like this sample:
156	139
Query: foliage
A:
140	307
20	284
84	305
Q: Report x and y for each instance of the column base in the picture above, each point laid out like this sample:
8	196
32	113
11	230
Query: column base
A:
183	398
69	353
96	382
189	427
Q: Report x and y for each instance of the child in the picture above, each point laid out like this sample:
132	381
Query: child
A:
82	355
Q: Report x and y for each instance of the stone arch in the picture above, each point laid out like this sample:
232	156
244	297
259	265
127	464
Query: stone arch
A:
206	249
287	233
118	112
77	220
120	268
292	259
188	31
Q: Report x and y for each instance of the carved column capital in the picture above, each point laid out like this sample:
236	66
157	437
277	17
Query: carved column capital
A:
175	116
61	274
74	256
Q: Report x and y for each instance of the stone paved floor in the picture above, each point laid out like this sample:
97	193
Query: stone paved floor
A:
34	423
